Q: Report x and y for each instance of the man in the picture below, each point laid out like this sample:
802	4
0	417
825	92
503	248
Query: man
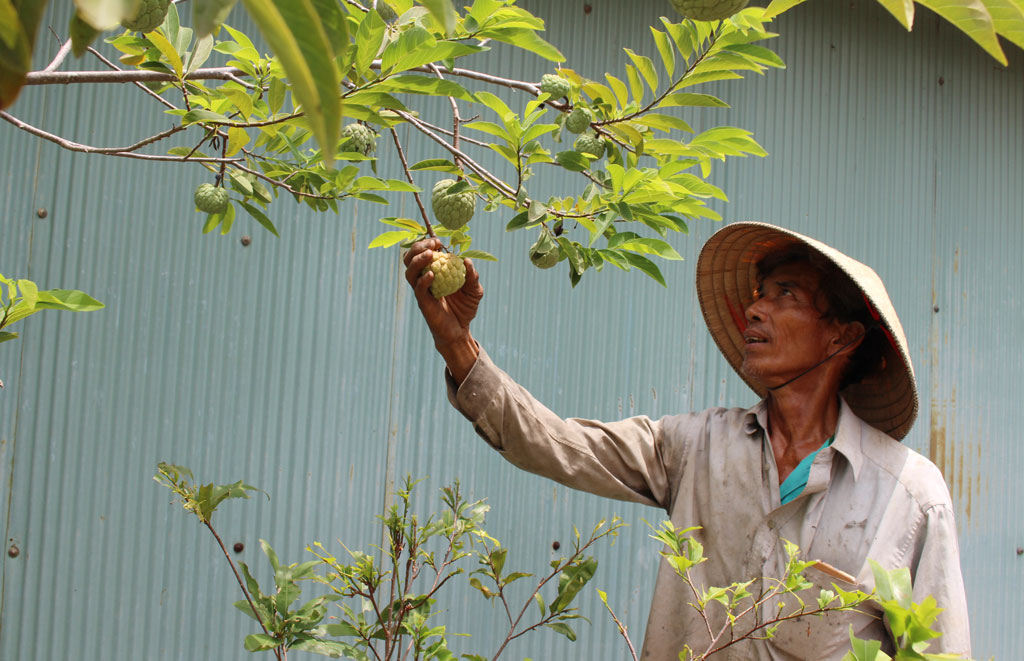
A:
817	461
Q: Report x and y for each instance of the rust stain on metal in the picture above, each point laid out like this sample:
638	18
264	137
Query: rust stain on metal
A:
953	454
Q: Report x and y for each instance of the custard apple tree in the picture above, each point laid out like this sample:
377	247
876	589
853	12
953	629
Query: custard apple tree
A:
346	83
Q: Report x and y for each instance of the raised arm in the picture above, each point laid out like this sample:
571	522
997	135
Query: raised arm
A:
448	318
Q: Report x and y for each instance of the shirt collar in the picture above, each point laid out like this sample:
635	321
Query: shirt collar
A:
848	431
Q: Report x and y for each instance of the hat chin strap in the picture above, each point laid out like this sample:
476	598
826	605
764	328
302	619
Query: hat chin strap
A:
819	363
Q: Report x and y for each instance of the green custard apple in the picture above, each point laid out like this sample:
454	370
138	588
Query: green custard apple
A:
544	253
589	143
358	138
455	210
211	199
449	274
148	16
708	10
578	120
555	85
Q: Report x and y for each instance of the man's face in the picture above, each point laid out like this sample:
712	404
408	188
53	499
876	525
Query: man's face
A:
785	334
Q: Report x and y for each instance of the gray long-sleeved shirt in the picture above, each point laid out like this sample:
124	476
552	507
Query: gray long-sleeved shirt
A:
867	496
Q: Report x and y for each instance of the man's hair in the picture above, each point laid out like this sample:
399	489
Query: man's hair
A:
844	302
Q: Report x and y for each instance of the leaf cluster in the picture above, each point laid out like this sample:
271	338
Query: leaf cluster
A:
21	298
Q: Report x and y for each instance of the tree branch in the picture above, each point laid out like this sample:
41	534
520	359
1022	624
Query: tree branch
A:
48	77
241	584
408	176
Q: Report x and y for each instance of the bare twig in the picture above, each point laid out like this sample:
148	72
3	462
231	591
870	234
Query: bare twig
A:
408	176
622	631
456	119
58	59
142	87
89	149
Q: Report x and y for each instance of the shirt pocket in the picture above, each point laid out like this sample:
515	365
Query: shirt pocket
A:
824	636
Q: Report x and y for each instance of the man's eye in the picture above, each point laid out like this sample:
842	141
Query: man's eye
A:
785	292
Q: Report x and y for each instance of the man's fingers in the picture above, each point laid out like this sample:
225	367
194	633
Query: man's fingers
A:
418	248
472	276
415	265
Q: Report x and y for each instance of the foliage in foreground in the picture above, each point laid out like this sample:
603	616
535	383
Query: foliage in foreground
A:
388	603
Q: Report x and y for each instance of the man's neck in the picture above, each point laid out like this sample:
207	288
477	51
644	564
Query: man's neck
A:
800	419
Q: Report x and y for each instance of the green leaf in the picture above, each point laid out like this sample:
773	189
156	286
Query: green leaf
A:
572	161
257	642
16	57
297	37
562	628
368	41
208	15
518	221
903	10
776	7
524	38
668	54
212	221
692	99
443	12
388	239
82	34
7	335
416	84
893	585
973	19
168	51
1008	19
645	265
237	138
229	219
67	299
201	115
646	68
651	247
10	24
260	218
479	254
496	104
439	164
104	14
574	577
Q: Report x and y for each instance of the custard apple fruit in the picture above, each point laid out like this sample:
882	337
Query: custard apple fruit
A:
211	199
578	120
453	211
555	85
148	16
449	274
544	253
386	12
589	143
708	10
358	138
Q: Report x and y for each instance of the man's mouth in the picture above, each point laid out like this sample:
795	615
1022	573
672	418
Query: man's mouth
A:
751	338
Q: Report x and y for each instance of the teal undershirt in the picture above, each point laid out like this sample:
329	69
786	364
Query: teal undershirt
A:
795	482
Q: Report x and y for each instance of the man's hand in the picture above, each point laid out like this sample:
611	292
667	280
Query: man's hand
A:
449	317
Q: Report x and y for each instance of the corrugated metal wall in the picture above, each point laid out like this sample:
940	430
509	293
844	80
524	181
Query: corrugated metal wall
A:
301	365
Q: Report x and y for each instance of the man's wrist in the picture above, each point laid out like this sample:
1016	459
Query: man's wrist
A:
460	357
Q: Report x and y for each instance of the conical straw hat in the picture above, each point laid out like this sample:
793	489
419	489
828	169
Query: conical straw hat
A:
726	279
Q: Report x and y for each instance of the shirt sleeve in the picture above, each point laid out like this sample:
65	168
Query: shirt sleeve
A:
937	573
626	460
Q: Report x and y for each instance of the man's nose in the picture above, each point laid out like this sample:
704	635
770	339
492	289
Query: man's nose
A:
754	311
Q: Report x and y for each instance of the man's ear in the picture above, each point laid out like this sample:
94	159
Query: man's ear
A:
849	338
